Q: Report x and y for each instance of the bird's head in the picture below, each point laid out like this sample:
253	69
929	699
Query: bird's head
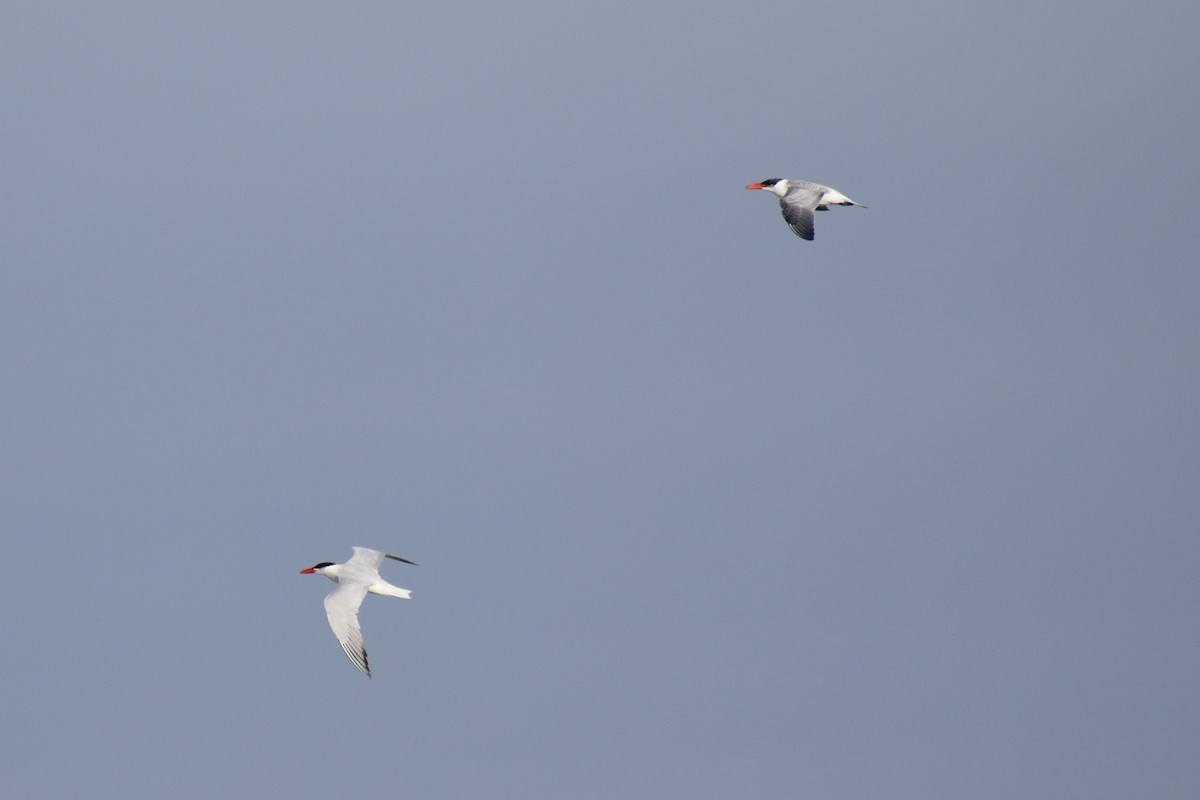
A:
320	569
777	185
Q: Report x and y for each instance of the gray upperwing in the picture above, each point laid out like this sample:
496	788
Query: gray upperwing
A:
798	206
799	218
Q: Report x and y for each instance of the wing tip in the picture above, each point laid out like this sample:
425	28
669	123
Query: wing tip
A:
358	658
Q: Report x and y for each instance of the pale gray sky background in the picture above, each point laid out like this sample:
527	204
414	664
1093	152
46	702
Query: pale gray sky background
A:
702	510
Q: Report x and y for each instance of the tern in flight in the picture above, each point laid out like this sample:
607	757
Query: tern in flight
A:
355	579
799	199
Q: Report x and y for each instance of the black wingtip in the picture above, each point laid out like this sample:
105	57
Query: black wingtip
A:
398	558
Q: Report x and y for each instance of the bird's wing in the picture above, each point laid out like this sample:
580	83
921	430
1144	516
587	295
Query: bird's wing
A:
365	557
341	606
798	212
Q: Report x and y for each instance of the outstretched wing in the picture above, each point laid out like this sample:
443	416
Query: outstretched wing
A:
341	607
798	207
371	559
799	219
365	557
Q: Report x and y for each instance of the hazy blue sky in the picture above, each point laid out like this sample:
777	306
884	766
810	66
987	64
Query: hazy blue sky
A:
703	511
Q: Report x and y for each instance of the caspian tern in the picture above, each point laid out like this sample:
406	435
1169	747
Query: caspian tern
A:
799	199
355	579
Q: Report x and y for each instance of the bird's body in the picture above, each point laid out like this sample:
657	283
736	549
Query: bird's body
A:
799	199
357	578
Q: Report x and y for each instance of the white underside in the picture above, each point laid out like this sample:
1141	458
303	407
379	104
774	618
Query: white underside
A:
833	197
387	590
